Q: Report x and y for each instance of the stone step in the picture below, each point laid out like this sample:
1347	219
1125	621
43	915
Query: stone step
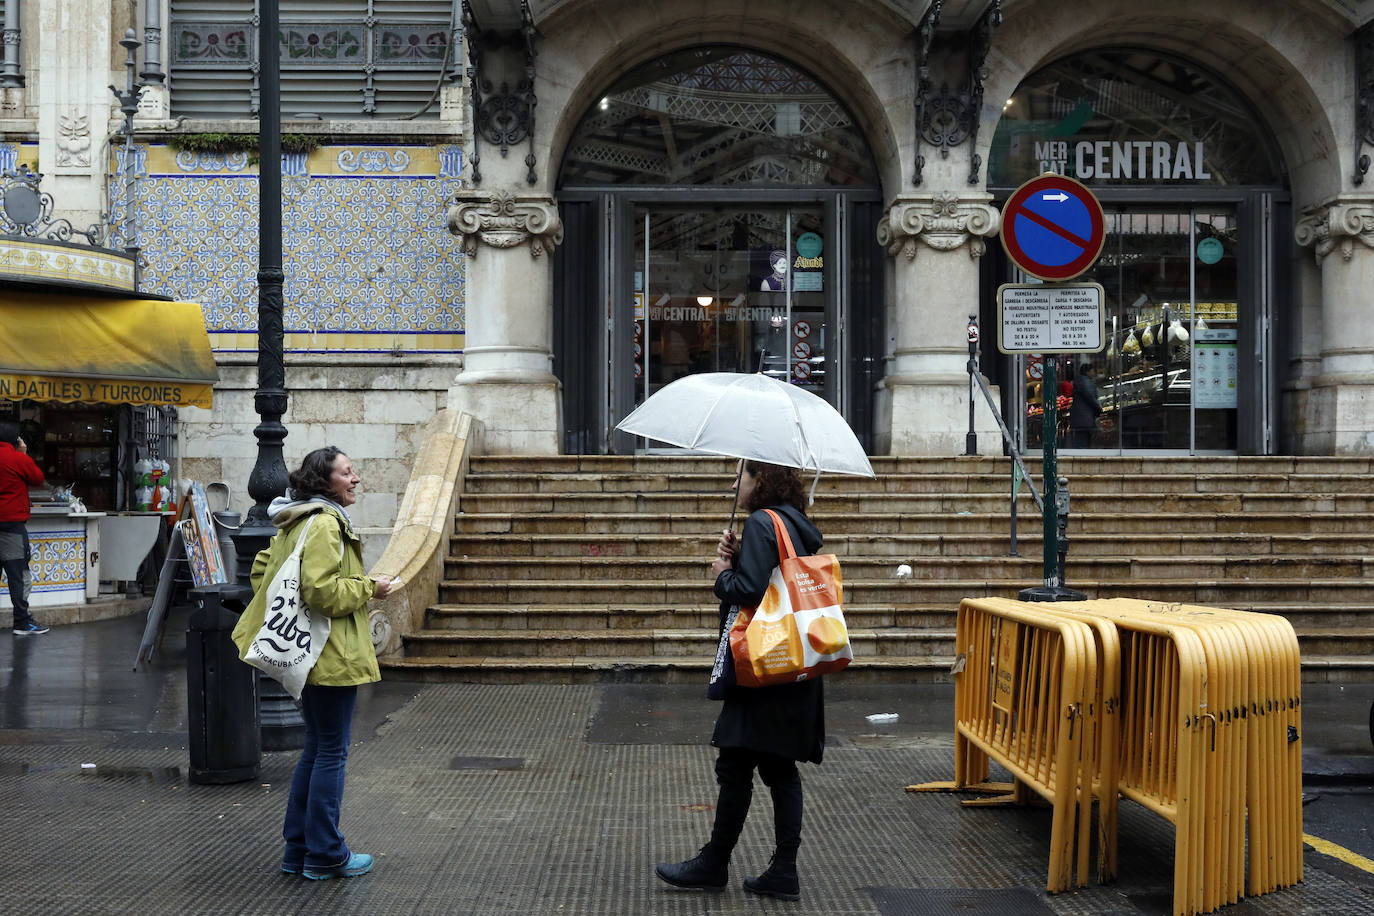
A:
864	571
1153	465
664	670
695	641
701	615
665	481
990	523
1336	641
1237	593
1085	544
859	506
674	643
637	669
615	617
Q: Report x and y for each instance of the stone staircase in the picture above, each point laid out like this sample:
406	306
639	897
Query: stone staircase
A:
591	568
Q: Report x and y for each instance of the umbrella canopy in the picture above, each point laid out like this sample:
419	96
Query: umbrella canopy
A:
750	416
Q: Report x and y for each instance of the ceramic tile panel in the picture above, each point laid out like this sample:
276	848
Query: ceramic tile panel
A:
370	265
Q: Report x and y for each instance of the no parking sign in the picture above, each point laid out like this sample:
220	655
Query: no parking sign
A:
1052	228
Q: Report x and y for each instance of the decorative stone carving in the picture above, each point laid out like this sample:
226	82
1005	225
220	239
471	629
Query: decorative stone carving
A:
943	222
502	220
74	140
1336	227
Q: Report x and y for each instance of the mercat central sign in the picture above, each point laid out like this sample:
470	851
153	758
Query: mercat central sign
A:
1143	160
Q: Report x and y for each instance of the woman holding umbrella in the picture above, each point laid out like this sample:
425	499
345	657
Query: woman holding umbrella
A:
763	728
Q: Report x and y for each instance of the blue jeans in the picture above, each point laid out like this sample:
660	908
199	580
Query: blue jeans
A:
311	829
14	560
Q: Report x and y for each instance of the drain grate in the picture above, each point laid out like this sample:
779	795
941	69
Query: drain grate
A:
487	763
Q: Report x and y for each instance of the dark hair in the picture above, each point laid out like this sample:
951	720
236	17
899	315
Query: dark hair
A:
313	477
9	432
775	485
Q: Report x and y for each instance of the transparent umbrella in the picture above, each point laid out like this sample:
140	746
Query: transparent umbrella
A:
751	416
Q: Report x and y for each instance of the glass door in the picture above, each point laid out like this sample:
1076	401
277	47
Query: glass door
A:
731	289
1167	379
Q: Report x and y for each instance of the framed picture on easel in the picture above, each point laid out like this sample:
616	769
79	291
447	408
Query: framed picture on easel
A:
198	535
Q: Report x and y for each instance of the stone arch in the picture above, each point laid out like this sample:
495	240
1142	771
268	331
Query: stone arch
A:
1261	50
588	45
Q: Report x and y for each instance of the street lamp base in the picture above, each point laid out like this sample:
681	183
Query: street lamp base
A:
1050	593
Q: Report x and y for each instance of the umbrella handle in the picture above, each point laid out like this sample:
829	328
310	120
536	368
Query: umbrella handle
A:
739	475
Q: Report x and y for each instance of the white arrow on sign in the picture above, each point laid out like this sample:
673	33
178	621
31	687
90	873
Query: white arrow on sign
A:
1061	197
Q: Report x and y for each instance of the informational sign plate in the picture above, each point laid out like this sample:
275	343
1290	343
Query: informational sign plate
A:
1050	319
1053	228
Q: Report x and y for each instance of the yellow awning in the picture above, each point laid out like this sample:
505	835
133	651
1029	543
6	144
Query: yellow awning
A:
110	351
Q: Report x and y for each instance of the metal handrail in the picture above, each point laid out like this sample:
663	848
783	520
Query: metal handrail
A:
977	376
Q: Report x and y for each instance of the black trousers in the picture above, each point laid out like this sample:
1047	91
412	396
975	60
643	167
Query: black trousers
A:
14	560
735	776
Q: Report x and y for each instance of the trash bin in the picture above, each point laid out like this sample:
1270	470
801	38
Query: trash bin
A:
222	696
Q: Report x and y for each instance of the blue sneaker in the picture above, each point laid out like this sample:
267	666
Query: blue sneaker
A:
358	864
33	628
291	868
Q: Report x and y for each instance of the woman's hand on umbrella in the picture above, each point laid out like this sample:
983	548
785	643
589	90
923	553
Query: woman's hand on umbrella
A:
719	566
727	545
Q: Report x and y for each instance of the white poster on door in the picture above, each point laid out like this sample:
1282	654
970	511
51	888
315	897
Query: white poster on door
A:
1214	381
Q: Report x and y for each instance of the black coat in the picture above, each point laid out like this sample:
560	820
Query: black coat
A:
1084	411
786	719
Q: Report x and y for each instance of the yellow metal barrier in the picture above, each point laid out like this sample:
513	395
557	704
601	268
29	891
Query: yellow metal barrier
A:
1255	693
1021	698
1192	712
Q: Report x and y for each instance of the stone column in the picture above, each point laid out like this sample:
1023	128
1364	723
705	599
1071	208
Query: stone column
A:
1336	415
935	240
12	69
75	41
507	380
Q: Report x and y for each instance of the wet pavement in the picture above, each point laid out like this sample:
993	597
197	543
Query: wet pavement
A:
539	799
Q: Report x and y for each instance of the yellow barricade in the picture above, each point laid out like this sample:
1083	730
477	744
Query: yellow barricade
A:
1101	737
1255	694
1022	697
1192	712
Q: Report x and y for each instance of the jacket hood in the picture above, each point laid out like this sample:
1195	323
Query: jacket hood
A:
802	526
287	509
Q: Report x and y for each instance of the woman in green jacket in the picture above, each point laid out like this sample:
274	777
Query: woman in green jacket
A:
332	581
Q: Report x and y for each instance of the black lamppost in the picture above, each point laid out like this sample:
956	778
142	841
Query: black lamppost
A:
268	478
128	104
281	722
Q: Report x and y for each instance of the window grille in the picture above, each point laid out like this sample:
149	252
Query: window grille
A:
339	58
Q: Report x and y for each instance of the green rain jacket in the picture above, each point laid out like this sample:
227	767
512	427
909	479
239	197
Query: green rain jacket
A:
332	581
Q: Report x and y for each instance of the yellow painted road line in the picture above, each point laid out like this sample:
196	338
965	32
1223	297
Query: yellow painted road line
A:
1326	847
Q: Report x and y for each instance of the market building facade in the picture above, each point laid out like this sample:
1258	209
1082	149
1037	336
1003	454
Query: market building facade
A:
539	212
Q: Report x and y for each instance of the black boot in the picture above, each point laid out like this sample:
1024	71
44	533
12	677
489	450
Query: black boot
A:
779	880
707	870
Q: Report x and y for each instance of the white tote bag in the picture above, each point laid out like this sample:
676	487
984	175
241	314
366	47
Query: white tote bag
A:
291	638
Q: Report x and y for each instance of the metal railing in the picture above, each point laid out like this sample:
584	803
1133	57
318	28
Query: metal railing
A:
971	440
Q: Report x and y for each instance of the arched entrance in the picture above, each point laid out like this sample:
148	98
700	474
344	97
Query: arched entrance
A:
720	208
1194	263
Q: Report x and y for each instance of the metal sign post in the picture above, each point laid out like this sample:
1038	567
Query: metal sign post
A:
1053	229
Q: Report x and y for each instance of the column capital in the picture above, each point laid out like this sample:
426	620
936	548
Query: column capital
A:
943	221
1336	226
502	219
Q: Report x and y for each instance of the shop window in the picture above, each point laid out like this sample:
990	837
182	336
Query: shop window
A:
718	116
1123	116
94	449
339	58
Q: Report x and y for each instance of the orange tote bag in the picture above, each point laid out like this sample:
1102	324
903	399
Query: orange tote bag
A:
797	631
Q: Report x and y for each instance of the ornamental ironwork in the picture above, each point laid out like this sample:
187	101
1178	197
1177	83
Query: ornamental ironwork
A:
950	118
26	211
501	116
1364	99
924	36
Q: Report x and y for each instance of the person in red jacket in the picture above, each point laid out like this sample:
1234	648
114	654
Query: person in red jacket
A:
17	474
